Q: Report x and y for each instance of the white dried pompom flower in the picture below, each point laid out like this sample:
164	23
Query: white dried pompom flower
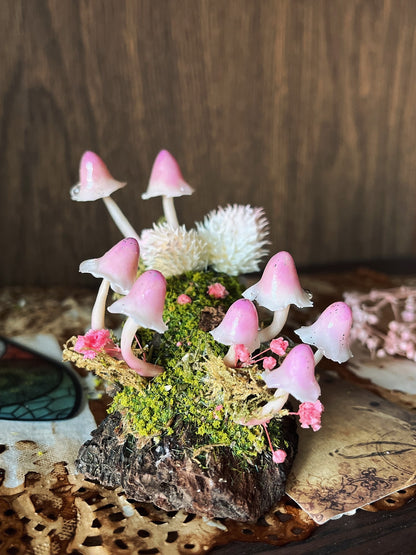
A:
236	238
172	251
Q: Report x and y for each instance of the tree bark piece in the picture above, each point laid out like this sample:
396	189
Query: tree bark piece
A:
167	476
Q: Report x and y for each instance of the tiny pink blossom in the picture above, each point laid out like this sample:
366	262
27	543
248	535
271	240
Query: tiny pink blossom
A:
269	363
217	290
310	415
242	353
279	346
279	456
217	409
92	342
179	344
184	299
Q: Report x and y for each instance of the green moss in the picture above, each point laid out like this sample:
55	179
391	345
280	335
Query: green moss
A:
196	391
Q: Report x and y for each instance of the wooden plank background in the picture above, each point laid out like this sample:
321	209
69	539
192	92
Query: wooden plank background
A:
306	107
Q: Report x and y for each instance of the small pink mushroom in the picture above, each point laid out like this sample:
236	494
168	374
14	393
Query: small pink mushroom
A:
239	327
296	375
166	181
143	306
330	333
118	270
95	182
277	289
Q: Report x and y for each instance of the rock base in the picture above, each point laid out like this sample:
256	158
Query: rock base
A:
168	477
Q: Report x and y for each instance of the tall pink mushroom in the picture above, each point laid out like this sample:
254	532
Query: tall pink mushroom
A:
296	375
277	289
143	306
118	269
330	333
96	182
166	181
239	327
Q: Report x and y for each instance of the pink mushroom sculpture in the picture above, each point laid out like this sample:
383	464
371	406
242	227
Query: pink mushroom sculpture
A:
96	182
277	289
296	375
166	181
118	269
330	333
239	327
143	306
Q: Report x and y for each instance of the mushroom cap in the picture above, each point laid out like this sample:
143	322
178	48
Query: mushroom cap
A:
95	181
279	285
166	178
118	265
145	301
296	375
239	326
331	332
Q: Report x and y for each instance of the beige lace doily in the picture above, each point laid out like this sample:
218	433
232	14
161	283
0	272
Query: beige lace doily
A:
59	513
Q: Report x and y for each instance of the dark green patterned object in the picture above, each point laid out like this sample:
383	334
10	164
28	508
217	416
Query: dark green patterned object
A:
34	387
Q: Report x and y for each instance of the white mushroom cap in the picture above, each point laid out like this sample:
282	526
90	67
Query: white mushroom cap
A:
166	178
95	181
118	265
145	301
279	285
331	332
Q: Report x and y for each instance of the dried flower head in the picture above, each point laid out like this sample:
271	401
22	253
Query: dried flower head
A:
235	238
384	321
172	251
93	342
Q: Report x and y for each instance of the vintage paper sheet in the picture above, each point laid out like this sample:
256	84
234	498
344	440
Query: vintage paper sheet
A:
394	373
365	450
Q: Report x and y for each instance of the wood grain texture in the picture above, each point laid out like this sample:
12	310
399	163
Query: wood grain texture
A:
306	107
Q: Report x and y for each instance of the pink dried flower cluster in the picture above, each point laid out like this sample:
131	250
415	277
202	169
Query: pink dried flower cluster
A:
385	321
310	415
92	342
217	290
184	299
242	353
279	456
277	346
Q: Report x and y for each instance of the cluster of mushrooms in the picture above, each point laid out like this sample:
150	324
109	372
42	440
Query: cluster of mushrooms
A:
143	297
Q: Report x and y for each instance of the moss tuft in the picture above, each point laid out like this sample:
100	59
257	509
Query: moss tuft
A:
196	392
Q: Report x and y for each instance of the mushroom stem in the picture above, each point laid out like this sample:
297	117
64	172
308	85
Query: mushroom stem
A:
279	320
269	410
98	310
140	366
170	212
318	356
120	219
230	358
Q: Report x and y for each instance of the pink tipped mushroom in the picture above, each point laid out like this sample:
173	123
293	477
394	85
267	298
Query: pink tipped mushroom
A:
166	181
143	306
118	270
277	289
95	182
330	333
239	327
296	375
